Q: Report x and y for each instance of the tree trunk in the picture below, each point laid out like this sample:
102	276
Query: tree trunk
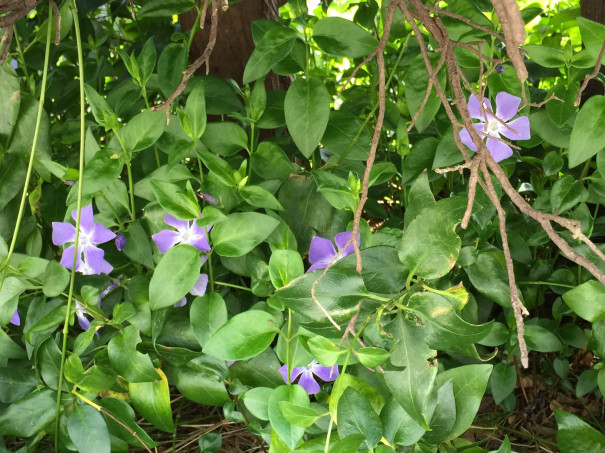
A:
595	11
234	42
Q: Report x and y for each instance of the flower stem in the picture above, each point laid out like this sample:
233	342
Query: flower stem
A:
288	361
129	169
74	11
231	285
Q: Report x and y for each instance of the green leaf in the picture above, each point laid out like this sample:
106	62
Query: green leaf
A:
430	246
325	351
544	55
399	427
357	416
10	100
588	136
502	381
257	401
560	112
9	349
239	233
446	328
195	110
164	8
348	444
9	293
207	315
421	195
202	387
307	110
372	357
219	167
577	436
258	99
273	115
146	61
152	400
94	380
541	339
587	382
244	336
122	411
176	202
105	166
126	360
53	315
171	64
143	130
293	394
12	174
488	275
343	38
273	47
49	363
444	415
100	109
29	415
470	382
299	415
16	383
88	430
587	301
175	275
225	138
565	194
138	247
285	266
593	35
416	82
346	381
259	197
338	292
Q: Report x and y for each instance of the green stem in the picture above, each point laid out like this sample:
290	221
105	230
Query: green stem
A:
32	155
231	285
562	285
129	170
210	272
288	361
74	11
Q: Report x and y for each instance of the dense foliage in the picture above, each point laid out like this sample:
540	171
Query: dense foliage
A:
308	259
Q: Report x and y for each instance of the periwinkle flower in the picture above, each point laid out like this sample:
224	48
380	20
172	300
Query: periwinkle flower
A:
507	107
307	381
187	233
89	258
500	69
120	241
15	319
322	251
82	320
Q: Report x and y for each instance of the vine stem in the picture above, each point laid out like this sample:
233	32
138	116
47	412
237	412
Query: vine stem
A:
32	155
74	11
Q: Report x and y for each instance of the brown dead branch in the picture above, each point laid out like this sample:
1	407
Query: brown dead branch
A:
5	43
590	76
513	28
57	22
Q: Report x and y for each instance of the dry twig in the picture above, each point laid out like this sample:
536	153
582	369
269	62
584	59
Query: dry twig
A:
590	76
57	22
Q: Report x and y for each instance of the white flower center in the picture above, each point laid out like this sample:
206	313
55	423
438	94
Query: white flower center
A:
492	127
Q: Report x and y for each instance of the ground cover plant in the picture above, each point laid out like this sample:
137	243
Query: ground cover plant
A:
401	251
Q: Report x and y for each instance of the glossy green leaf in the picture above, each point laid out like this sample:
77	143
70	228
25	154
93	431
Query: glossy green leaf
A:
565	194
88	430
201	387
152	401
143	130
372	356
285	266
299	415
225	139
138	247
146	61
273	47
541	339
346	381
239	233
257	401
16	383
293	394
307	110
29	415
219	167
588	136
347	444
174	276
593	35
122	411
179	204
56	279
244	336
325	351
164	8
356	416
430	246
9	103
575	435
470	382
587	301
444	415
488	275
346	136
9	349
545	56
94	380
259	197
207	315
399	427
343	38
195	111
103	114
171	64
502	381
126	360
416	82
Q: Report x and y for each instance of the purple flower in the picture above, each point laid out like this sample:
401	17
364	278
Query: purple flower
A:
209	199
199	289
120	241
82	320
16	320
15	65
507	107
187	233
500	69
91	235
307	381
322	250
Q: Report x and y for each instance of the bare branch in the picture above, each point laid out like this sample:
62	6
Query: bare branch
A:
591	76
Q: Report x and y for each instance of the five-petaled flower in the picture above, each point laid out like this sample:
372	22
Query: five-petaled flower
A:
187	233
493	127
322	251
89	259
307	381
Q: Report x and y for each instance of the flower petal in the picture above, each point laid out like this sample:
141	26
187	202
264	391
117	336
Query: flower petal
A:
101	234
87	221
283	370
476	110
520	126
93	257
507	105
63	232
166	239
181	303
15	319
181	225
83	320
308	382
498	150
325	373
67	259
199	289
200	242
466	139
321	251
